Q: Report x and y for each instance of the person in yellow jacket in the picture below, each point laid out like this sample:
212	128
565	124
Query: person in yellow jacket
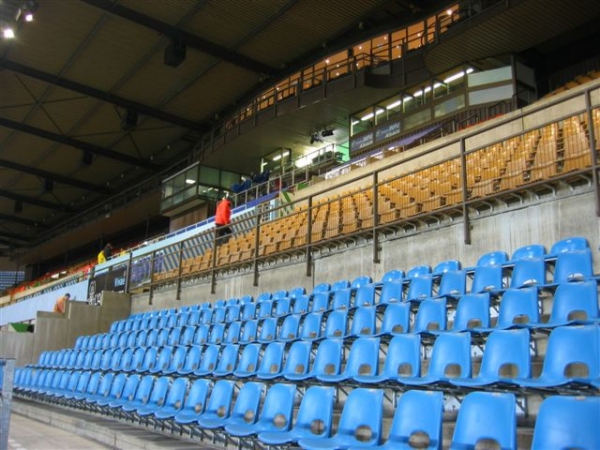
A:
104	254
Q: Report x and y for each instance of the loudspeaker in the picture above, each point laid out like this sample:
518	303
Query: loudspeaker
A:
129	120
174	53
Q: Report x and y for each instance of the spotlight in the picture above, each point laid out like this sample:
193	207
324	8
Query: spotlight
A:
315	138
27	10
327	133
8	32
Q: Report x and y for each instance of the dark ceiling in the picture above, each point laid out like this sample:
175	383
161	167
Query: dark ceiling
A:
89	111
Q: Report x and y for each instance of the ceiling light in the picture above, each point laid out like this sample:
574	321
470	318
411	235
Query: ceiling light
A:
277	157
394	105
29	17
326	132
367	117
454	77
190	181
8	33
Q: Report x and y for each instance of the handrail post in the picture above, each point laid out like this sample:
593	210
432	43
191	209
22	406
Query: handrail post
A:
376	258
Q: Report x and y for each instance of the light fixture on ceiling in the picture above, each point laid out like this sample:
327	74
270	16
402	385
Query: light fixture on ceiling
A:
326	132
27	10
8	31
315	138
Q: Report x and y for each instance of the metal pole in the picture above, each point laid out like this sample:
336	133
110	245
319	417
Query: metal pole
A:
7	368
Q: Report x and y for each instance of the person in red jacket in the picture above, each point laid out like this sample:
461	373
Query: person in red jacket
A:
223	218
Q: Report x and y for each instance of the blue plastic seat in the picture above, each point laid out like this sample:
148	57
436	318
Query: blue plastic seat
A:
162	361
431	316
159	393
271	363
569	244
282	293
519	308
248	332
163	337
300	305
192	360
567	422
396	319
232	333
178	357
227	360
574	303
362	360
267	330
450	265
392	275
297	292
417	271
361	280
248	361
320	302
147	362
419	288
505	358
106	359
201	336
217	406
472	311
205	316
358	425
310	328
364	295
187	336
219	314
417	420
195	401
313	420
126	394
529	251
245	408
174	336
216	332
208	363
340	284
233	313
450	358
328	360
485	418
106	392
573	266
275	415
264	309
289	328
297	359
248	311
528	272
341	299
282	307
142	396
321	287
363	322
572	359
487	279
336	324
402	358
452	284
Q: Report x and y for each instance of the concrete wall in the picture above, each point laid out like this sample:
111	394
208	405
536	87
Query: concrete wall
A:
544	220
56	331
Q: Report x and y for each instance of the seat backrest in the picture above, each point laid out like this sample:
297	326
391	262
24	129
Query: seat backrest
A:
403	356
187	336
297	360
518	306
506	355
573	352
569	244
192	359
363	321
419	288
196	397
219	402
450	357
248	361
248	311
451	265
393	275
232	332
201	336
282	307
363	358
473	310
391	292
417	271
567	422
272	360
227	360
336	323
311	326
159	391
396	319
484	417
341	299
315	415
574	301
264	309
529	251
268	330
364	295
340	284
219	314
321	287
144	388
209	360
361	280
418	420
116	387
453	283
233	313
573	266
486	279
431	315
289	328
528	272
495	258
301	304
177	358
360	425
276	413
328	358
247	402
130	387
320	302
249	330
297	292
